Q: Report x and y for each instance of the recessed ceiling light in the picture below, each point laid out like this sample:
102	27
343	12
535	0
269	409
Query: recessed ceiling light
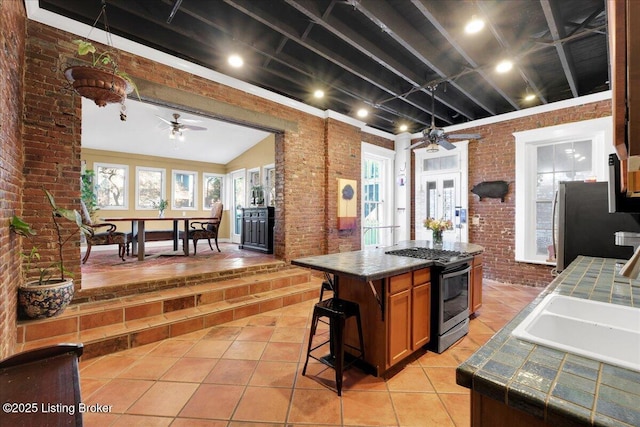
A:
236	60
475	25
403	128
504	66
319	93
362	113
529	97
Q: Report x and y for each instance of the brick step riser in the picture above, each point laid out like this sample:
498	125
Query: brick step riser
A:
168	329
36	330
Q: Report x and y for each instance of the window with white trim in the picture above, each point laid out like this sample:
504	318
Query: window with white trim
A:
184	190
150	187
111	187
544	157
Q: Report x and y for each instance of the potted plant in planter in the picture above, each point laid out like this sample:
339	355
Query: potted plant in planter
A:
161	206
52	291
101	81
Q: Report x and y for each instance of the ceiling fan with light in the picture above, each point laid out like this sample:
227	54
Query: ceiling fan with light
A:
436	137
175	127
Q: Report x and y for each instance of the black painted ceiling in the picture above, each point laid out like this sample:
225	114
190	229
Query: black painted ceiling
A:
380	54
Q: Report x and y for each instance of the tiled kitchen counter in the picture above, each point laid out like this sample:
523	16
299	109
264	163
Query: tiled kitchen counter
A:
558	387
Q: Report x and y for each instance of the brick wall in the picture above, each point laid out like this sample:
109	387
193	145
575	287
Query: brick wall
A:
493	158
12	40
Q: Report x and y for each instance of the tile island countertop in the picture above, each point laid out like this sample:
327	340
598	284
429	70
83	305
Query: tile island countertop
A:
558	387
374	264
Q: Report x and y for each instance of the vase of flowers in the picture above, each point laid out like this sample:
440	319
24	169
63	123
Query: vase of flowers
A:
437	226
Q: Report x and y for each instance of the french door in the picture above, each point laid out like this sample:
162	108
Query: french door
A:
441	196
238	201
377	199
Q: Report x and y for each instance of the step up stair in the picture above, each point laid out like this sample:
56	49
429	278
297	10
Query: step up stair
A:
130	321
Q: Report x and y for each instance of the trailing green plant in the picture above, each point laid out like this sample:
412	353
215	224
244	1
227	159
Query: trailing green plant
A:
21	227
105	59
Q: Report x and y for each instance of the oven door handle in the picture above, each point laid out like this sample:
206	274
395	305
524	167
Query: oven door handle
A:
463	269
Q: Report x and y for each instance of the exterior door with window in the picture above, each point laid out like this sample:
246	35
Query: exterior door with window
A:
442	195
377	202
238	201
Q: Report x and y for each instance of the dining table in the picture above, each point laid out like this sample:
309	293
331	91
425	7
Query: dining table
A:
138	231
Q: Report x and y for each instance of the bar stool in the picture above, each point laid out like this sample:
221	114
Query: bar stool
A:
338	311
327	285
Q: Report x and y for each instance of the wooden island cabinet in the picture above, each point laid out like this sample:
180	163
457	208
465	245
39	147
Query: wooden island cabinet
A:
405	325
475	285
394	294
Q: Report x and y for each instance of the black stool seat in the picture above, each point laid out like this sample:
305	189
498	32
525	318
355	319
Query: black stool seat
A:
337	311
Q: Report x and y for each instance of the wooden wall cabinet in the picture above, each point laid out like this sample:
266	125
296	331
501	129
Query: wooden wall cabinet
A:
257	229
475	285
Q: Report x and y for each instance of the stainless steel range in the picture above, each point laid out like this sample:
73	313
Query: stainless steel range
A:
449	293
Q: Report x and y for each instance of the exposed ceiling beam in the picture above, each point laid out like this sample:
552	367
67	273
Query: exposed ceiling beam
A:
272	21
357	41
557	33
531	82
424	9
385	17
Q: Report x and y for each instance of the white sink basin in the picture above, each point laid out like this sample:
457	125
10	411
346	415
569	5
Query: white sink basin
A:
606	332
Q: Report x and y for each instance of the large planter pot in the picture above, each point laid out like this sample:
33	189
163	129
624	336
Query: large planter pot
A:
101	86
41	301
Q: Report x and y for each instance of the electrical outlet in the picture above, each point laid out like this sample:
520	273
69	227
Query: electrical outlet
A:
475	220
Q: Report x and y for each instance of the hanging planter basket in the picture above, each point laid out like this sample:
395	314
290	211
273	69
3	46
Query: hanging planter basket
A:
101	86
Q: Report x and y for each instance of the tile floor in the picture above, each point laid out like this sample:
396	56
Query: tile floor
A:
248	373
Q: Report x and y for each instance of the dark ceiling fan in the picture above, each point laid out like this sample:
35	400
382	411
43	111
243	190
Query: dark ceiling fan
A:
435	137
177	127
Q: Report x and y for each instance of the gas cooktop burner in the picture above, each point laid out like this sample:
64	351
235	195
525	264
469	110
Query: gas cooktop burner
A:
440	256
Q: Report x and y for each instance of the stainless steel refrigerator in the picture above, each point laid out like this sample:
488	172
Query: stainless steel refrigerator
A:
585	226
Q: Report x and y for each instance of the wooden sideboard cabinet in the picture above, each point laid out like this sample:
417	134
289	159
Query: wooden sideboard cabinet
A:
257	229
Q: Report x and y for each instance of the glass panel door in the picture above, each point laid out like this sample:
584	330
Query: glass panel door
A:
376	201
238	202
442	195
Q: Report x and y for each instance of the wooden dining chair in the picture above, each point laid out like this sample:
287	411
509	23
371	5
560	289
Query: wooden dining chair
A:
110	235
206	229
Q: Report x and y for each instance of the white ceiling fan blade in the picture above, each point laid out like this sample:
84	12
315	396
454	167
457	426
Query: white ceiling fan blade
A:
446	144
191	120
165	120
415	144
464	136
192	127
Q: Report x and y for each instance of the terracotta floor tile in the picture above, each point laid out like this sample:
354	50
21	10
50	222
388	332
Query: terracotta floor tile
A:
248	350
288	321
444	380
262	321
255	333
434	359
108	367
254	406
192	422
224	333
100	419
120	394
356	379
366	408
88	386
231	371
459	407
190	369
282	352
172	348
140	420
274	374
284	334
315	407
213	401
420	410
149	368
209	348
164	398
410	379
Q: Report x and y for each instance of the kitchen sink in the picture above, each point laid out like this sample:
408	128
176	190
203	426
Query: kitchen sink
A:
602	331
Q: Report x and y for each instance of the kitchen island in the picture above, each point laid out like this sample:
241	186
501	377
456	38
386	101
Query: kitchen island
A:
517	383
394	295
